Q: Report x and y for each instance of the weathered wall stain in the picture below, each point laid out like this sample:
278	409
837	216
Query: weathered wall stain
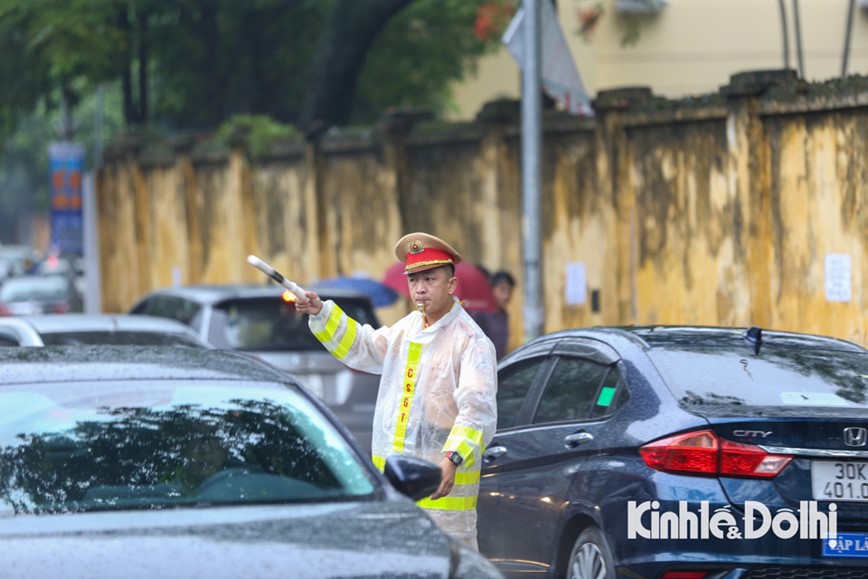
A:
718	210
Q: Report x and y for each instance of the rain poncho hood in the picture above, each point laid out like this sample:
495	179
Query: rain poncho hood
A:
437	394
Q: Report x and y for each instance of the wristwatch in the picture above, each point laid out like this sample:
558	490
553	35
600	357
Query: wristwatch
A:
454	457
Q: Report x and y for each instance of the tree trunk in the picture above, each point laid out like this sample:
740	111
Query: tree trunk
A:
340	53
135	97
207	29
143	72
127	80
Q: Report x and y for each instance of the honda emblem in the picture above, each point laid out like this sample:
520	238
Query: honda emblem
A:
855	436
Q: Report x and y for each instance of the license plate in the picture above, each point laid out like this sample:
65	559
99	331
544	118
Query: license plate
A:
846	545
839	481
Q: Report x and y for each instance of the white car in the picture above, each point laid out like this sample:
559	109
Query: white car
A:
261	320
94	329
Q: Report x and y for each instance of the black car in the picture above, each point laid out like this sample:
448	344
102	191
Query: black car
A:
128	461
679	452
261	320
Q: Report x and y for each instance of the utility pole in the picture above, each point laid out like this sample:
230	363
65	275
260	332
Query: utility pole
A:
785	33
798	26
531	158
847	34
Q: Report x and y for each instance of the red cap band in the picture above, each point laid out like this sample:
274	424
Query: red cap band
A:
426	258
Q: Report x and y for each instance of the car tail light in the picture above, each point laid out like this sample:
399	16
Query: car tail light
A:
62	308
703	452
738	459
51	262
4	311
695	452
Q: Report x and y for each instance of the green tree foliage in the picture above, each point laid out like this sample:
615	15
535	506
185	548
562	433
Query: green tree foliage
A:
213	60
24	175
53	52
421	51
196	64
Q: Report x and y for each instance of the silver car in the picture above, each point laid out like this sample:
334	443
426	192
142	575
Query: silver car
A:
95	329
39	294
261	320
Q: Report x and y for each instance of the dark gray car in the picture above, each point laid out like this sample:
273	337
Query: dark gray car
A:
261	320
616	446
128	461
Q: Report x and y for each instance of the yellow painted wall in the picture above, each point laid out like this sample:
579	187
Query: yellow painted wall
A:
718	211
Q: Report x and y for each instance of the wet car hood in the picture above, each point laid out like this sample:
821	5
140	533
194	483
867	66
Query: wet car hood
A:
346	540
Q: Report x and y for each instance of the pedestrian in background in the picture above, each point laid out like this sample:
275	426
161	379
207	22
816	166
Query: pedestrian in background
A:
438	385
495	324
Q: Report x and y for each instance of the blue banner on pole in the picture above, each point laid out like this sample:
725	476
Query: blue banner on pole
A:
66	164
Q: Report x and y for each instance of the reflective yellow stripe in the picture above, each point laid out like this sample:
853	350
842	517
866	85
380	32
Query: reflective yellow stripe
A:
466	478
471	434
347	341
461	477
464	440
331	325
462	447
414	354
449	504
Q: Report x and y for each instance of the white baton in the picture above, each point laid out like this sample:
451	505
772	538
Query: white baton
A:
276	276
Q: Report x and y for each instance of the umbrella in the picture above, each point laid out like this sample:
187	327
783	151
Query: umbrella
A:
380	293
474	287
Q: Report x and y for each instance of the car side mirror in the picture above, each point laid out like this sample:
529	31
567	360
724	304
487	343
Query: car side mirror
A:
413	477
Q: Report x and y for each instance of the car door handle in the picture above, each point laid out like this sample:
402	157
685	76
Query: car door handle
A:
574	440
493	452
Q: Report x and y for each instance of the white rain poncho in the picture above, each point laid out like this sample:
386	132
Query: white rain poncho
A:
437	394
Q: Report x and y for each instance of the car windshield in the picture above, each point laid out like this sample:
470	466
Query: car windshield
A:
272	324
136	338
130	444
777	377
40	288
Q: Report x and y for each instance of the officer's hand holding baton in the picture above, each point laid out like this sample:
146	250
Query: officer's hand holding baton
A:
306	302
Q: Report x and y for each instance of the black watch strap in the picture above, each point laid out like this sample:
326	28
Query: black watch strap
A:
455	458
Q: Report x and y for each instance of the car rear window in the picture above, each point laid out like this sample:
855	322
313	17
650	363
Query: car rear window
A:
776	377
272	324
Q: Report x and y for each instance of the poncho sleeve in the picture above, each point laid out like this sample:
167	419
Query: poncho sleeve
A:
359	346
476	398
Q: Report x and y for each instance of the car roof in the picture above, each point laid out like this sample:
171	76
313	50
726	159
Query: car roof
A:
214	293
74	322
38	278
682	336
87	363
15	251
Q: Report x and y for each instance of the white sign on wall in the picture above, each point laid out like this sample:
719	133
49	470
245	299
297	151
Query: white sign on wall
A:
838	282
577	284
